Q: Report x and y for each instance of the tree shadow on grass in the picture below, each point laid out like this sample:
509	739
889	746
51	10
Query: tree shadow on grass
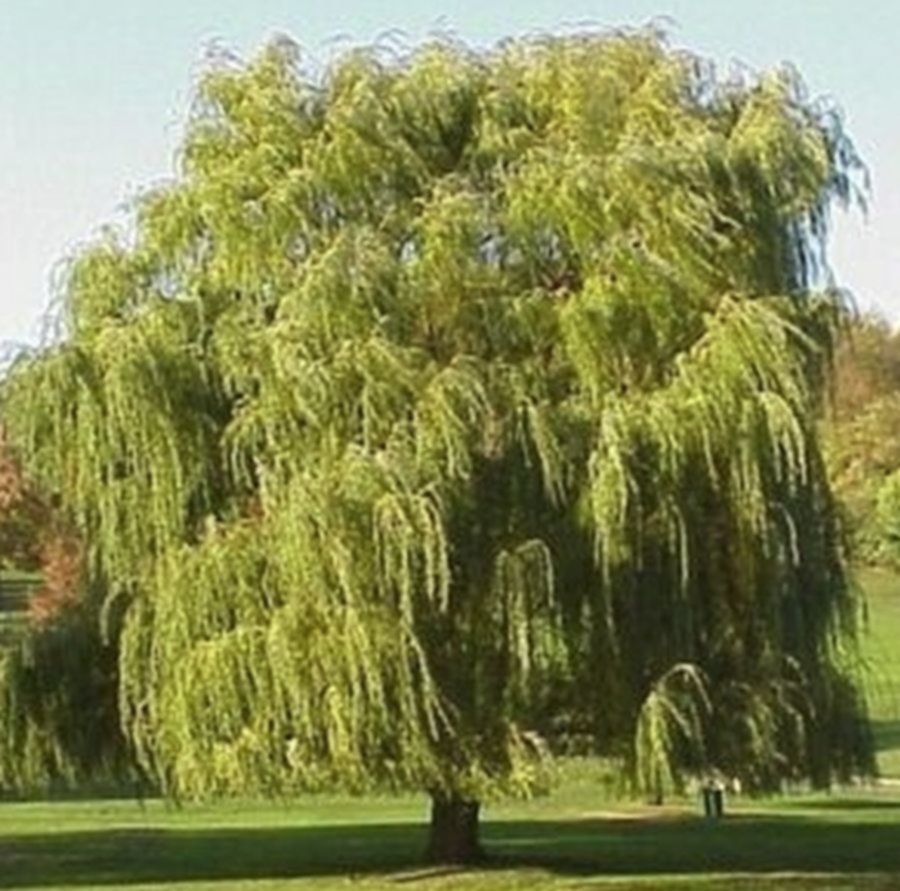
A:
609	847
743	844
849	805
887	735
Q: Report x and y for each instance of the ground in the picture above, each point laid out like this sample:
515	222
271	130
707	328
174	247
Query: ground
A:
881	660
820	842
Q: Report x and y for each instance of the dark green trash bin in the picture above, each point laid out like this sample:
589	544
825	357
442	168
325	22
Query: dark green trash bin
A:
713	802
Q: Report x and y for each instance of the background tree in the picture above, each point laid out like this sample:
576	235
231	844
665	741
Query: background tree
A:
862	437
23	519
449	406
36	542
867	365
58	675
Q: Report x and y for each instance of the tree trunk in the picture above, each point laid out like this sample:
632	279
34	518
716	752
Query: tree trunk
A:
454	830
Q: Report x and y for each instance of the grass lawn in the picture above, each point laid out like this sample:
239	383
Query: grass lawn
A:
881	650
821	842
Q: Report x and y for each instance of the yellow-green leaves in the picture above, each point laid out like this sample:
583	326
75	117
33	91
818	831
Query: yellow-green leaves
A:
442	401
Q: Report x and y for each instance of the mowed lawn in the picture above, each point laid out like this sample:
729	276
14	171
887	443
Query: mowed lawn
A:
881	655
821	842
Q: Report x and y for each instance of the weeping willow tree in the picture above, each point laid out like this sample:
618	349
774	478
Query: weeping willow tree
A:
451	405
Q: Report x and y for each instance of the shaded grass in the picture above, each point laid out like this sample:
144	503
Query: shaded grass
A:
540	881
819	842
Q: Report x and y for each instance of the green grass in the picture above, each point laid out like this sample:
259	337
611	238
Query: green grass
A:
370	844
881	650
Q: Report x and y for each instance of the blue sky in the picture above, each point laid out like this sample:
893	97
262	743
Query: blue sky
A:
92	93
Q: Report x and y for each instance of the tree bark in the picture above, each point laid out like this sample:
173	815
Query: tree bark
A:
453	836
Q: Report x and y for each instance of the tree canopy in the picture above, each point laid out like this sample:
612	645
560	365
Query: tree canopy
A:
452	407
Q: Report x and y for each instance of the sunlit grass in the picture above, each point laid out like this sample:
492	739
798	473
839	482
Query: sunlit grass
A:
821	842
881	649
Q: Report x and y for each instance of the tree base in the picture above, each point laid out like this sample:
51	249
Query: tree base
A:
453	837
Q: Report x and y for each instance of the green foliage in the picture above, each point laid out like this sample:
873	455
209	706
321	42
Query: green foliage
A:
670	720
58	678
444	403
887	507
60	727
862	434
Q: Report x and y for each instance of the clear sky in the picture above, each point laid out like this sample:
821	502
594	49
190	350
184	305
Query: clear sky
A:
92	93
